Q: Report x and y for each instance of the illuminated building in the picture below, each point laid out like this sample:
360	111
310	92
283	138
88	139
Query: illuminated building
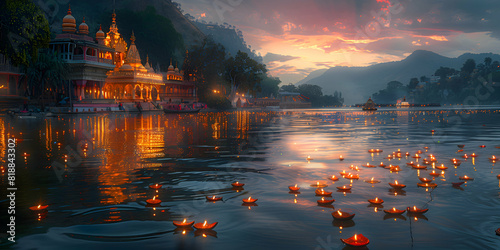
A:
132	80
177	89
88	59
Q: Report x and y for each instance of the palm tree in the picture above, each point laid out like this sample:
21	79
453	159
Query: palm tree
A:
45	75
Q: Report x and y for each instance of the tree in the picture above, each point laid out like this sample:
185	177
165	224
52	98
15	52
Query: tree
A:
269	86
487	61
44	74
413	83
495	65
206	62
244	73
289	88
313	92
23	31
394	85
424	79
469	66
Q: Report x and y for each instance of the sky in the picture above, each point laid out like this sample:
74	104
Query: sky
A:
297	37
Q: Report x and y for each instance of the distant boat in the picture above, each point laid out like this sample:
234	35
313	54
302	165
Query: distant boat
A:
179	108
171	111
369	105
403	103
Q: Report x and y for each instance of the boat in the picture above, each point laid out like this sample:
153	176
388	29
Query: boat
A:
179	108
402	103
171	111
369	105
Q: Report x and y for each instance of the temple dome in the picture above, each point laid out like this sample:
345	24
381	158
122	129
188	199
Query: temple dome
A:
83	28
69	23
100	34
171	67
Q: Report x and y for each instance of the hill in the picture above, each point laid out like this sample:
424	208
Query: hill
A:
358	83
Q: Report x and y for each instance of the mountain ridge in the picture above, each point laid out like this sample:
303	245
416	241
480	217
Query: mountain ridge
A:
358	83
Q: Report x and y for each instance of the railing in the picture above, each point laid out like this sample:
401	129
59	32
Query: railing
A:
77	57
103	60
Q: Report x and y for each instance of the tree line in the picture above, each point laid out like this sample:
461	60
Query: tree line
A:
314	94
449	86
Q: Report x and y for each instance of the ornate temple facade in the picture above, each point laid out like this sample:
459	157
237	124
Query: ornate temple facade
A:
89	60
177	89
105	68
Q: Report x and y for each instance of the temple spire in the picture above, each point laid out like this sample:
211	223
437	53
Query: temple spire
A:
132	38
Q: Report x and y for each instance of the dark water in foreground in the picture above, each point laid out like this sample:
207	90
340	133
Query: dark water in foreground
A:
97	198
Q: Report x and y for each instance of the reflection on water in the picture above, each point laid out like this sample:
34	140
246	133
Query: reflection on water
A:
94	173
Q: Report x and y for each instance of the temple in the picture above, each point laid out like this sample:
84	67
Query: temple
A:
106	68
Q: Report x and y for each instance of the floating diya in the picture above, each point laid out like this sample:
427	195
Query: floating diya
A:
352	176
465	156
372	181
338	215
309	158
465	178
344	188
482	146
183	223
497	231
432	131
382	165
460	146
375	150
407	153
376	201
354	167
394	211
419	152
249	200
155	186
418	166
205	225
334	178
238	184
343	173
425	180
442	167
153	201
213	198
433	173
325	202
368	165
321	192
294	188
394	168
493	158
457	184
410	163
415	210
319	185
473	155
498	176
389	157
39	207
356	241
341	158
427	185
396	185
416	156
